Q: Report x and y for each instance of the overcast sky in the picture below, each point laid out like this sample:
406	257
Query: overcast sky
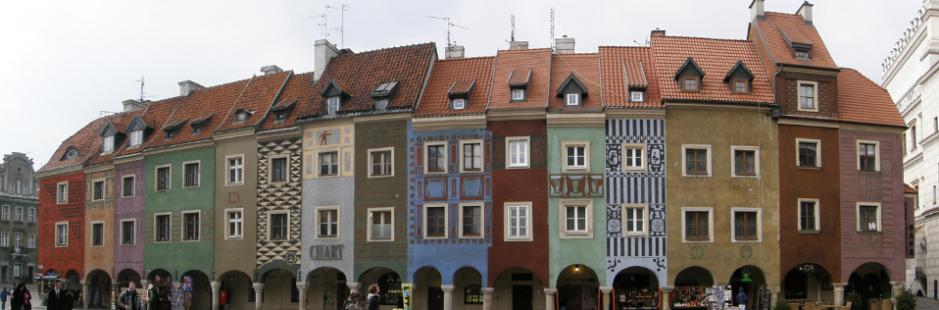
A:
63	63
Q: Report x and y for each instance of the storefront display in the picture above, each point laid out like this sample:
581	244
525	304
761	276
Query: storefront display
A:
690	297
636	299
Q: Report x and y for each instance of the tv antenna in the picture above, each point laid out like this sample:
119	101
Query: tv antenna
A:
142	83
322	23
343	8
552	29
512	22
450	25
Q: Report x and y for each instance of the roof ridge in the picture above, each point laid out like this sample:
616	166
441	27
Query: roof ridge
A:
623	46
781	13
706	38
392	47
577	54
467	58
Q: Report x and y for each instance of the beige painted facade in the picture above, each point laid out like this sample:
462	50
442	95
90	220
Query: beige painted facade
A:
720	129
236	195
99	211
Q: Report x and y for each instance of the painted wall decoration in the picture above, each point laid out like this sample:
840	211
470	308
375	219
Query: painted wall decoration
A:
279	196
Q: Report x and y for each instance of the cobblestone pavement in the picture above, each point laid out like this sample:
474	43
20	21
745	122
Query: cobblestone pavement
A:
926	303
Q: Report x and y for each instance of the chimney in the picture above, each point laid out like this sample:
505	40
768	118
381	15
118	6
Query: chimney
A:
518	45
756	9
323	51
272	69
658	32
132	104
455	51
806	11
564	45
187	86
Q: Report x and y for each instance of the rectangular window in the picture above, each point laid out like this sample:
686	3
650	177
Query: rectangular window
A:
31	241
5	239
163	178
868	154
575	156
634	157
31	215
634	219
868	217
689	84
697	160
128	232
192	174
808	95
127	186
17	239
191	222
809	153
327	222
332	104
471	221
235	228
19	214
808	215
913	141
472	154
97	190
97	233
382	162
746	224
741	87
236	170
435	221
381	221
697	222
746	161
108	145
459	103
279	169
518	221
162	230
572	99
328	163
436	157
136	137
636	96
5	213
801	54
279	226
518	94
517	150
61	193
575	218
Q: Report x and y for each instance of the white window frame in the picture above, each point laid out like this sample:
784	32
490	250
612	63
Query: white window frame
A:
508	152
562	219
31	215
710	211
61	194
333	101
799	95
446	220
30	241
370	162
817	211
368	227
482	155
63	244
642	159
857	153
528	221
633	97
572	99
645	219
133	189
316	167
286	157
4	239
270	226
169	178
182	226
136	138
19	215
121	232
5	214
156	227
759	225
446	155
564	166
241	223
818	151
684	159
316	222
461	105
518	91
107	146
240	169
756	160
198	171
857	215
482	219
91	232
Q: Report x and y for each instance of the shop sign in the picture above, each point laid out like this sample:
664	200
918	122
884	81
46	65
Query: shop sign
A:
326	252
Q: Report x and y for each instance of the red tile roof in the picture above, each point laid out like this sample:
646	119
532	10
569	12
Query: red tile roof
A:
86	140
358	74
860	100
586	67
155	116
217	100
774	29
120	121
715	57
457	76
299	90
258	97
624	67
909	189
508	61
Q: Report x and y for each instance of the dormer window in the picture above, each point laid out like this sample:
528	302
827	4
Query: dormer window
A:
739	78
572	99
334	95
108	145
459	103
518	84
196	129
332	105
637	96
381	104
71	153
382	94
459	93
242	115
689	76
690	84
741	86
518	94
136	138
199	124
171	129
281	110
802	54
572	91
280	116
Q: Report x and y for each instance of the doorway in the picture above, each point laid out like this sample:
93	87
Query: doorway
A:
521	297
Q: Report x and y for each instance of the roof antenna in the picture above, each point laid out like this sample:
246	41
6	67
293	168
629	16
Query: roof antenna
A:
450	25
552	29
322	24
343	8
512	35
141	81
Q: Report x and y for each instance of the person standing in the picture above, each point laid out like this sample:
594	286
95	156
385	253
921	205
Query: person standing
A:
129	300
742	299
26	297
374	296
55	297
222	298
3	298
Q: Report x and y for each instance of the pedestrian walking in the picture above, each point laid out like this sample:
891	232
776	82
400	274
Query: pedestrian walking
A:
129	300
354	302
222	298
742	299
159	296
25	297
55	298
3	298
187	292
374	296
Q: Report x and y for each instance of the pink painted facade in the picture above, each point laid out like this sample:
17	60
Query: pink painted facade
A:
129	256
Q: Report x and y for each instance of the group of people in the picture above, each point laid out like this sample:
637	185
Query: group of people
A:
20	298
354	302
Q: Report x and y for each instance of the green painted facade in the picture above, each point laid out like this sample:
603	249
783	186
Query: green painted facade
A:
586	251
178	256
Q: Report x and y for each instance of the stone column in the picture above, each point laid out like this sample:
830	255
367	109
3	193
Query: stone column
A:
605	296
447	296
86	287
549	298
258	295
301	286
897	290
774	295
487	298
215	286
146	290
839	293
666	297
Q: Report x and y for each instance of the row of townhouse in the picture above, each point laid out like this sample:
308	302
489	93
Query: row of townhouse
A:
629	178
